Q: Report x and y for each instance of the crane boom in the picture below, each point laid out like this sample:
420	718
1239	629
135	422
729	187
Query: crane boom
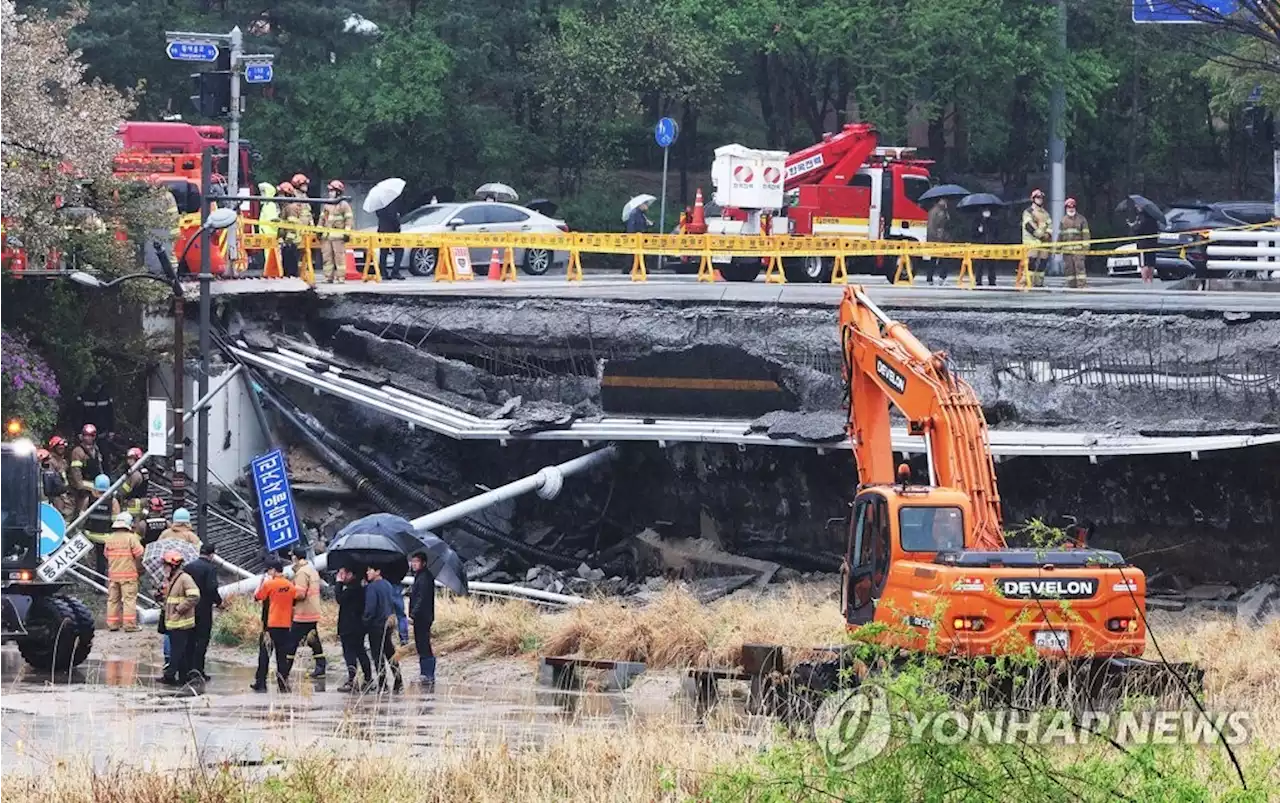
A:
885	364
835	159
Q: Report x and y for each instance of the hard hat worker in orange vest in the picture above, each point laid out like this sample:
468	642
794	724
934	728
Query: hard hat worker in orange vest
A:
124	550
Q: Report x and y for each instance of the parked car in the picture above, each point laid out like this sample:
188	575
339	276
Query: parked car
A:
477	217
1179	257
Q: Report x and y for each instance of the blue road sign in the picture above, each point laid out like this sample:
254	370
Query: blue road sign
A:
665	132
1182	11
53	529
258	73
192	51
275	500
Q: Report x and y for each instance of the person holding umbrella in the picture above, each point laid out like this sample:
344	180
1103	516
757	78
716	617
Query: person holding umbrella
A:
1144	225
422	610
350	597
384	201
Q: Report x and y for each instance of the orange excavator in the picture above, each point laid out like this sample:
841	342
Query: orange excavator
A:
930	560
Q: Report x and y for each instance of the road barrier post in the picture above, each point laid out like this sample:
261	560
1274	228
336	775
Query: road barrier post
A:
773	272
508	272
706	271
965	277
638	272
1023	279
840	271
904	276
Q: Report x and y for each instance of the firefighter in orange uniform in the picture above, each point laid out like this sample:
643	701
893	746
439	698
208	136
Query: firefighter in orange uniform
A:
124	550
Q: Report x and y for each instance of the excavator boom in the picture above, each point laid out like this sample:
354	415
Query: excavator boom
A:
885	364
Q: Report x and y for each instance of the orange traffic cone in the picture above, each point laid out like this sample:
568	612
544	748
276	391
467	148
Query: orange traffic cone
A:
698	224
495	266
352	274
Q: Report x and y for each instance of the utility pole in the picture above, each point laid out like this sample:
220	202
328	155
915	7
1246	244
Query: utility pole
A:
179	495
206	303
1057	146
233	130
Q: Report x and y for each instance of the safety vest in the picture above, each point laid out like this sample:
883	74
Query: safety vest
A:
123	551
180	598
98	524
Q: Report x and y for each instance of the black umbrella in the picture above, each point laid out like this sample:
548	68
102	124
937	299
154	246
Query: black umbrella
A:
358	550
443	563
1145	206
543	206
979	199
944	191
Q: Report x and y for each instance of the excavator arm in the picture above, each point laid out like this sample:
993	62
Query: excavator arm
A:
885	364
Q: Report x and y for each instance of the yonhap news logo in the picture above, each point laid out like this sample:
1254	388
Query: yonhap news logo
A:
852	726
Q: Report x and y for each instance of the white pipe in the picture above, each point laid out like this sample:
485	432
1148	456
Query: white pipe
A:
547	482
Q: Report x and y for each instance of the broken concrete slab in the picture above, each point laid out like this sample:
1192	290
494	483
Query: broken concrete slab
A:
1166	603
508	407
818	427
695	557
541	415
710	589
1227	606
1260	604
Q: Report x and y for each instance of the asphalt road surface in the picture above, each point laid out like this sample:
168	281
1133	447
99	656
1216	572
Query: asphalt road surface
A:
1105	294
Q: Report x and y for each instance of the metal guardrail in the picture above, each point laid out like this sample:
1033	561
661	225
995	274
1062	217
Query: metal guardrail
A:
1247	251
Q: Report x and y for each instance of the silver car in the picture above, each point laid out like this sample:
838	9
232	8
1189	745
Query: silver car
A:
474	218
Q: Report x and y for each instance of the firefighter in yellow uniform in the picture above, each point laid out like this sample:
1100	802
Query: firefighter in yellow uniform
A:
124	550
181	529
1037	229
291	239
306	612
180	595
338	217
1074	229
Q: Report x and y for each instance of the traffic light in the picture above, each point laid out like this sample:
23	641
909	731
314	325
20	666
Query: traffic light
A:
211	93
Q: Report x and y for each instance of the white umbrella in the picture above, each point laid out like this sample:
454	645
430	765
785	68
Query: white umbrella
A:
383	193
633	203
499	191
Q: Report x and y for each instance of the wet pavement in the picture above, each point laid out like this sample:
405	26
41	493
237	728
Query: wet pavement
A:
113	711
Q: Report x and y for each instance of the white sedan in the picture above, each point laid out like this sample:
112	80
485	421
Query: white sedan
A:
475	218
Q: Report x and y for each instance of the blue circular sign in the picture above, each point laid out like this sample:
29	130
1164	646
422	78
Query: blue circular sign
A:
53	529
665	132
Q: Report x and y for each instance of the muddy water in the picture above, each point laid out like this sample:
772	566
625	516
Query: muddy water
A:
112	710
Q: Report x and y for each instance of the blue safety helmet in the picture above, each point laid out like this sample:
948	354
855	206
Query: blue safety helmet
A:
182	516
102	483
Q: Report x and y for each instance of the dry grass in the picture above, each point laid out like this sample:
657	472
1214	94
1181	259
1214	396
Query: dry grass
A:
640	761
673	631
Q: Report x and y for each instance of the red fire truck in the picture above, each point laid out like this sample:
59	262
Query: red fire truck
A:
845	185
184	138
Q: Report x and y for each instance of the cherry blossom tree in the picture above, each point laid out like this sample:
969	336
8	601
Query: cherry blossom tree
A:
59	130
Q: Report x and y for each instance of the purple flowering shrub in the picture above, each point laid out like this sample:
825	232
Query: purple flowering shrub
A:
28	389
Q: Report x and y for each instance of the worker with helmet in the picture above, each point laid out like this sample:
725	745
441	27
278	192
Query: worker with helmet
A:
1037	230
290	237
181	529
124	551
178	620
155	522
307	214
97	526
64	501
86	463
136	483
337	220
306	613
53	483
1074	233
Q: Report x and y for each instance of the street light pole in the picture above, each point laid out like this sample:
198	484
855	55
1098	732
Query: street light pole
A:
206	302
179	495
